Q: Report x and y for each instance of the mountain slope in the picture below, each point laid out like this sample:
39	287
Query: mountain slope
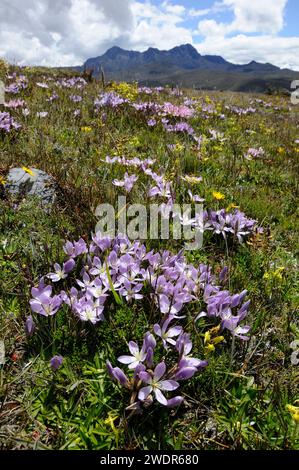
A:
184	66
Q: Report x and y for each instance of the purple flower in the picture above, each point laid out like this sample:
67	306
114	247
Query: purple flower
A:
43	303
174	402
167	335
29	326
117	374
75	249
131	291
137	355
128	182
76	98
56	362
61	273
7	123
89	310
156	385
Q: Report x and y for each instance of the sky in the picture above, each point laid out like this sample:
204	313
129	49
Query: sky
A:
67	32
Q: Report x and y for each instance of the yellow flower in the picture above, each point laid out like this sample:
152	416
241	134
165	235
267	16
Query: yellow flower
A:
294	411
86	129
232	206
281	150
27	170
2	181
217	195
210	340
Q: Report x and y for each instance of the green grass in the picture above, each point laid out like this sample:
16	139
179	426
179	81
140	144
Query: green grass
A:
231	405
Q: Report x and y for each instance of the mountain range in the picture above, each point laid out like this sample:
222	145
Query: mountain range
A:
184	66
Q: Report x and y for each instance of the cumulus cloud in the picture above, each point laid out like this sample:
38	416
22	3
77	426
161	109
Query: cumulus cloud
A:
252	16
241	49
55	32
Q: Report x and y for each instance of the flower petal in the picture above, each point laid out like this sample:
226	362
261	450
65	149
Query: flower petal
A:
160	397
144	392
126	359
168	385
133	347
159	370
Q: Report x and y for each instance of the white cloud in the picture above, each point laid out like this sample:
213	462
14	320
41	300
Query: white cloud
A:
158	26
281	51
253	16
195	13
211	29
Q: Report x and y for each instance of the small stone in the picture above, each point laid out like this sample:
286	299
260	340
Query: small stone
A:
37	183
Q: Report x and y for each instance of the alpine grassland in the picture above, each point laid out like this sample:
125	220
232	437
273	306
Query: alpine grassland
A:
109	342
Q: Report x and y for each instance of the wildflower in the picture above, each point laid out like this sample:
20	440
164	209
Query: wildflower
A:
210	340
131	291
2	181
138	356
231	206
192	179
86	129
127	183
117	374
217	195
42	85
28	170
76	98
151	122
195	197
42	114
7	123
294	412
75	249
56	362
42	301
156	385
89	310
167	335
61	273
254	153
29	326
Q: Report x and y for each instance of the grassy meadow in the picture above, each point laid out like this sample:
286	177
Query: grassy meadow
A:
246	150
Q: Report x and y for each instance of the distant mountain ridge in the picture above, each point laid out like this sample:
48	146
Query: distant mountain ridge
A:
185	66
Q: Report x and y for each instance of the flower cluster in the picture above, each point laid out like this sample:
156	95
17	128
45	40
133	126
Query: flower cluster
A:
14	104
110	100
235	223
254	153
20	83
126	270
73	82
7	123
149	379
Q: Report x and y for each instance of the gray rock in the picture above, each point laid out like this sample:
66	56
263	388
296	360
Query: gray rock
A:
40	184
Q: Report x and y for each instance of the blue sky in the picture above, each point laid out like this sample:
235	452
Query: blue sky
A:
55	32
